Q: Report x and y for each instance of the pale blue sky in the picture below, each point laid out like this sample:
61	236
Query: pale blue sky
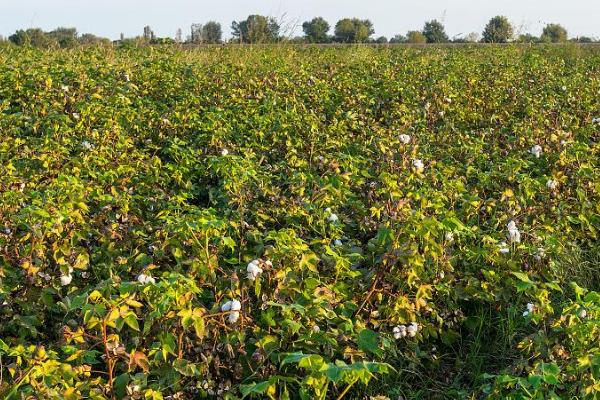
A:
110	17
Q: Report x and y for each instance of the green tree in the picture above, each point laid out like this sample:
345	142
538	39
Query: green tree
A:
434	32
381	40
211	32
398	39
89	39
415	37
316	30
554	33
256	29
66	37
528	38
353	30
498	30
34	37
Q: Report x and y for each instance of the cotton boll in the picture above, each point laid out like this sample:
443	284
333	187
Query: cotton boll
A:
412	329
316	329
332	218
233	317
582	313
145	279
66	279
514	236
404	138
504	248
337	242
224	152
254	270
530	307
399	332
236	305
536	150
226	306
551	184
418	165
449	236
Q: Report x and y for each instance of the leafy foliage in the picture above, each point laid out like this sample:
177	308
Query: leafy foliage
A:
297	222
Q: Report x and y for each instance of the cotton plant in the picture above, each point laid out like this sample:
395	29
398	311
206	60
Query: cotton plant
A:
233	307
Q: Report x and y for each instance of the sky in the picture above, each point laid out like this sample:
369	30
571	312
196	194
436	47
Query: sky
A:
109	18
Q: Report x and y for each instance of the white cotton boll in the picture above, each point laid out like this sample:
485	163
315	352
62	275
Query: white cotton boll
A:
87	145
514	236
337	242
254	270
145	279
449	237
64	88
504	248
332	218
236	305
399	332
226	306
224	152
269	264
530	307
564	88
316	329
418	165
551	184
233	317
525	313
596	121
582	313
404	138
66	279
536	150
412	329
76	116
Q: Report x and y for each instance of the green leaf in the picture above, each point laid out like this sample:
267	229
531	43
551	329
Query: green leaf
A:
368	341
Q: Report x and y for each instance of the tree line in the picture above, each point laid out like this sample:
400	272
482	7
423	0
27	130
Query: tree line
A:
265	29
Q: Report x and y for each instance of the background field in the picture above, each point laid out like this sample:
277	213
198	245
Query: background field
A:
137	185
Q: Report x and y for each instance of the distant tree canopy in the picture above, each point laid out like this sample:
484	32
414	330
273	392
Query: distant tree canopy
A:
353	30
415	37
211	32
434	32
398	39
315	30
498	30
256	29
381	40
58	38
554	33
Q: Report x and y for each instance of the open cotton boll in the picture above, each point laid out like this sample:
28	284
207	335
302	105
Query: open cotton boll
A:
449	236
316	329
404	138
536	150
504	248
233	317
145	279
224	152
253	270
236	305
66	279
337	242
418	165
399	332
551	184
226	306
514	236
332	218
596	121
412	329
582	313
